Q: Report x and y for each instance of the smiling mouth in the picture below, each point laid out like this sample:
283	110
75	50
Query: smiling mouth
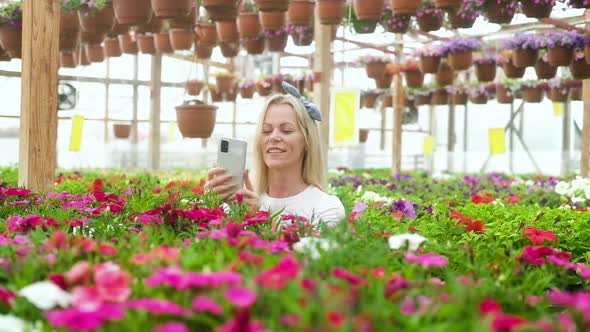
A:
274	151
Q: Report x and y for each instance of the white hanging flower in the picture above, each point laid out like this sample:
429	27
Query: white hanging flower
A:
311	244
399	241
11	323
46	295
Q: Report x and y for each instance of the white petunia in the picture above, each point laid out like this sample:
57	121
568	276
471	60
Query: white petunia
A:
562	187
399	241
371	196
311	244
11	323
46	295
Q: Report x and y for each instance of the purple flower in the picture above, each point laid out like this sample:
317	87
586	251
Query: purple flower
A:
405	206
461	45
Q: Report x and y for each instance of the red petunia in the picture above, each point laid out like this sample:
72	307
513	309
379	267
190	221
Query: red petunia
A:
456	215
476	226
485	198
538	236
513	199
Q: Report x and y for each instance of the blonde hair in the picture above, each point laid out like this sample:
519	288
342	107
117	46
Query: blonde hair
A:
314	167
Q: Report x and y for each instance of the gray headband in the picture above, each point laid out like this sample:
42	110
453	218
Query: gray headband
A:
309	106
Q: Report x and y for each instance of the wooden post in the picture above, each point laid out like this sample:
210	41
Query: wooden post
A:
106	106
155	118
134	132
38	121
322	74
398	113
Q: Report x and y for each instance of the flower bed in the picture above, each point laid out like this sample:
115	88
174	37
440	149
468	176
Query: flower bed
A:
123	252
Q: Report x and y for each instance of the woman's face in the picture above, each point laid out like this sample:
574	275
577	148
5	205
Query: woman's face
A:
283	143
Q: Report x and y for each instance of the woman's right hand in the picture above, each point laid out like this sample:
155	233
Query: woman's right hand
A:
220	182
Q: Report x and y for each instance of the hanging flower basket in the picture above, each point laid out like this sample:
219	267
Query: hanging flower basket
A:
532	94
369	10
376	69
511	71
272	5
254	46
132	12
406	7
331	12
216	95
67	59
387	100
301	35
558	95
301	12
225	83
363	135
171	8
181	39
221	10
384	82
162	42
272	20
153	26
207	33
498	12
186	22
503	94
203	52
263	89
439	97
485	71
576	94
580	69
544	70
128	44
414	78
430	22
451	5
69	31
193	87
94	53
459	98
227	31
88	37
579	4
396	23
229	50
276	43
122	130
361	27
459	21
146	44
249	25
526	57
11	40
247	92
370	99
422	99
230	96
445	75
536	8
99	21
560	55
461	60
112	49
430	63
196	119
478	99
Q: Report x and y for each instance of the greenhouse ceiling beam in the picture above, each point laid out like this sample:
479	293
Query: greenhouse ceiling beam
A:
522	27
192	59
367	45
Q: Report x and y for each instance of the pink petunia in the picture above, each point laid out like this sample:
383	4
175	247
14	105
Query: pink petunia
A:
279	275
504	322
289	319
347	276
427	260
538	236
80	273
172	327
87	298
489	306
240	296
112	282
159	307
204	303
78	320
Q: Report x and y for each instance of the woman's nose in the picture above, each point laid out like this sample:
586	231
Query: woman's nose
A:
275	135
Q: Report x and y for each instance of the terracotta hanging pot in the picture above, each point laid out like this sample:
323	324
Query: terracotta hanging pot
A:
448	4
485	72
532	94
459	98
369	100
398	24
331	12
414	78
162	42
249	25
560	56
171	8
498	13
524	57
429	64
153	26
263	90
536	9
11	40
579	4
122	130
363	135
207	33
422	99
409	7
544	70
132	12
272	5
67	59
277	44
69	31
3	55
193	87
216	95
128	44
229	50
272	20
511	71
304	38
181	39
576	94
227	31
375	69
558	95
230	96
196	119
92	38
146	44
370	10
387	100
461	60
225	83
439	97
94	53
112	49
98	21
445	75
580	69
247	92
479	99
254	46
186	22
503	94
459	21
384	82
203	52
429	22
221	10
301	12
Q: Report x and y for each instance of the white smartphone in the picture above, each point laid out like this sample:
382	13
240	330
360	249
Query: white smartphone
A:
231	155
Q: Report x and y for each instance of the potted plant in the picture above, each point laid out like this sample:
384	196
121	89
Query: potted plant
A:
430	58
276	40
404	7
478	94
300	12
145	43
537	8
301	35
543	69
532	91
331	12
575	87
132	12
272	20
111	46
414	77
560	46
128	44
227	31
525	49
216	94
504	93
248	20
162	42
384	82
460	51
69	28
67	59
360	26
247	89
196	119
171	8
485	66
440	96
386	99
465	16
395	23
11	21
225	81
579	68
264	86
254	45
369	98
94	53
445	75
510	70
221	10
193	87
368	10
428	17
421	96
122	130
374	65
95	16
499	11
207	32
459	94
557	90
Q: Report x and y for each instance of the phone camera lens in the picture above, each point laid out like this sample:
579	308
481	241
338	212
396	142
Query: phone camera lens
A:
224	146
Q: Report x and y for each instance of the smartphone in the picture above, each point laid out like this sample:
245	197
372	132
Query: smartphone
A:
231	155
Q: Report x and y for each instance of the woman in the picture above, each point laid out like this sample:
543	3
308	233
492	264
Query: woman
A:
290	173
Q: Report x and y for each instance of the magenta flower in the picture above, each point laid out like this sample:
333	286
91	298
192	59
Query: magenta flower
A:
347	276
87	298
172	327
76	319
279	275
240	296
427	260
112	282
504	322
79	273
19	192
159	307
204	303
